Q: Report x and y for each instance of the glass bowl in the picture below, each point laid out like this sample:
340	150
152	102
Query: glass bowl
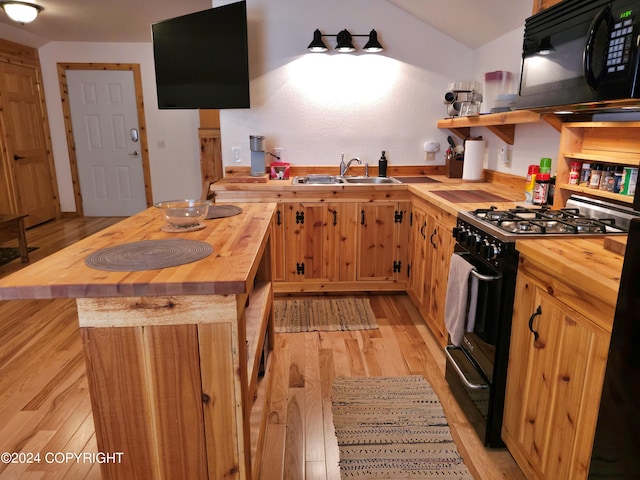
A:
184	213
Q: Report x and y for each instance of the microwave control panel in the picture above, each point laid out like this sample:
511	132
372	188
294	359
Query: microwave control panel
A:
620	41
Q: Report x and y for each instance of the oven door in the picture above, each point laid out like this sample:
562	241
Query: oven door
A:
470	367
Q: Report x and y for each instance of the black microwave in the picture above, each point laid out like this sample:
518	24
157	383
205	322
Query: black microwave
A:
582	53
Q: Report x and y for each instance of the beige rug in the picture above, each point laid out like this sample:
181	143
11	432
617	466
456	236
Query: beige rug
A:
323	313
393	427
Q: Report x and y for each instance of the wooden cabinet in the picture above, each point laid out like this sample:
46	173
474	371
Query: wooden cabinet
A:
319	242
606	143
539	5
556	368
27	175
431	249
382	241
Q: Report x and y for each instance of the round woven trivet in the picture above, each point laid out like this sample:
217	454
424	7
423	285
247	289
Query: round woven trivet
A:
148	255
220	211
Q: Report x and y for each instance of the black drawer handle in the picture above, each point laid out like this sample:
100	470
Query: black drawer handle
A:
535	314
435	231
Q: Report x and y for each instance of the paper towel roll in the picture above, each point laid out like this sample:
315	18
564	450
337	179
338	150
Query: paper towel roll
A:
473	160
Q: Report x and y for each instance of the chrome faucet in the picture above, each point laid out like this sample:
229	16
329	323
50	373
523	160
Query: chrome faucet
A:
345	167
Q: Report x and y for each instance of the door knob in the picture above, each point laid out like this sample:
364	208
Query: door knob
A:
134	154
17	157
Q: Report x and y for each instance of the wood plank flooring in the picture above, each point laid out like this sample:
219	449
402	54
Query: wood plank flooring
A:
45	406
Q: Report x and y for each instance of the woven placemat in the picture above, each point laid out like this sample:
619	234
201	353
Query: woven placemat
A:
148	255
220	211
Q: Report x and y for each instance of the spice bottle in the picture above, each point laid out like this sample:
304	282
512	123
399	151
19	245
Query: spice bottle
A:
607	179
382	165
541	189
574	173
596	174
585	174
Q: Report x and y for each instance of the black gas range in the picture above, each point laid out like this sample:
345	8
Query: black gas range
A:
486	238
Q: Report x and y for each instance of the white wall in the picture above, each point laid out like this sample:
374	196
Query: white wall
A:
175	169
314	106
532	141
317	106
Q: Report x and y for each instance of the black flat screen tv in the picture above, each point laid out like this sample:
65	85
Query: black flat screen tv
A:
202	59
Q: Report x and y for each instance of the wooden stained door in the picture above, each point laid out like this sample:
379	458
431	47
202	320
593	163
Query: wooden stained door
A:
27	143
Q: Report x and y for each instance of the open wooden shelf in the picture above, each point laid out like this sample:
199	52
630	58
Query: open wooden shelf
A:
257	318
597	193
502	124
615	158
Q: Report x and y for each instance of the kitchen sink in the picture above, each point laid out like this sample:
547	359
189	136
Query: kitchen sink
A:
370	180
315	179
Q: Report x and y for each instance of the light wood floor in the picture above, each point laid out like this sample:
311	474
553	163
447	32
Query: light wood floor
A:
45	406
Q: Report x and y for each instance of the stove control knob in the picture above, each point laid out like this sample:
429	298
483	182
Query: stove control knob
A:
472	239
461	235
491	251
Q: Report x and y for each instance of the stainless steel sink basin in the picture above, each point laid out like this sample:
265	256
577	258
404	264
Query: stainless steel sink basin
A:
315	179
371	180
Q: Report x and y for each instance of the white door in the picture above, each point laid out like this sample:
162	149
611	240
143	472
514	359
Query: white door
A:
104	119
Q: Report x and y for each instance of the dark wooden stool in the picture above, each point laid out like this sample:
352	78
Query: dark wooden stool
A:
12	226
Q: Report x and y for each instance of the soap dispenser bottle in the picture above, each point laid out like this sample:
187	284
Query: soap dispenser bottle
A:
382	165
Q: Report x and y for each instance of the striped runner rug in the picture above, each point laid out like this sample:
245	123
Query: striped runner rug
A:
393	428
323	313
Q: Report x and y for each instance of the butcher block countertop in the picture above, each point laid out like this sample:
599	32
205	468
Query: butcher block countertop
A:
579	261
237	242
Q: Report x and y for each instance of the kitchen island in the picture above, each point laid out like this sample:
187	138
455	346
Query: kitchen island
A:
172	354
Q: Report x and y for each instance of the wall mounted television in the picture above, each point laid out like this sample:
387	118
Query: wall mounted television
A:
202	59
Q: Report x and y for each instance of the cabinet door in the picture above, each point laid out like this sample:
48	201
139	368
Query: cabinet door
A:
278	244
319	241
554	385
440	248
307	242
382	241
418	254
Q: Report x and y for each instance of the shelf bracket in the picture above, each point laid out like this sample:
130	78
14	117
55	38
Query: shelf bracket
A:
506	132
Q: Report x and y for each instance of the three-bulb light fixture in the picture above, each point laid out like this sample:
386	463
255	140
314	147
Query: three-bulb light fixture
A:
21	12
344	43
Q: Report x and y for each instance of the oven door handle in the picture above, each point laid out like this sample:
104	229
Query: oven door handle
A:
481	276
467	383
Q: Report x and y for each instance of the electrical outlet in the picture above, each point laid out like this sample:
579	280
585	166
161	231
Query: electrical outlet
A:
279	152
236	151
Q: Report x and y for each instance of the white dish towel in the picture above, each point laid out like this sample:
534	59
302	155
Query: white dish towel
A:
460	296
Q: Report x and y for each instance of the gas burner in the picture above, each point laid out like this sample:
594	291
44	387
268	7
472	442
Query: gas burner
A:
584	225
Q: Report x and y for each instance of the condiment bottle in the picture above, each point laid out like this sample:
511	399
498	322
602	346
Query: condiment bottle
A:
382	165
574	173
545	165
530	183
541	189
596	174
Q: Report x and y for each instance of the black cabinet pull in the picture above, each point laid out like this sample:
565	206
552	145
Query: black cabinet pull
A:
17	157
422	230
362	217
335	218
278	219
435	231
535	314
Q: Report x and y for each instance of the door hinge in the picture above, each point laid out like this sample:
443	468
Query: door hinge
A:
397	266
398	217
299	217
411	219
300	268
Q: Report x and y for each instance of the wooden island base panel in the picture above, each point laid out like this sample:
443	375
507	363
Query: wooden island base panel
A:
173	354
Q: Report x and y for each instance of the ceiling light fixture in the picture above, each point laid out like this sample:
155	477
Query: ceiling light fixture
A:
21	12
344	42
